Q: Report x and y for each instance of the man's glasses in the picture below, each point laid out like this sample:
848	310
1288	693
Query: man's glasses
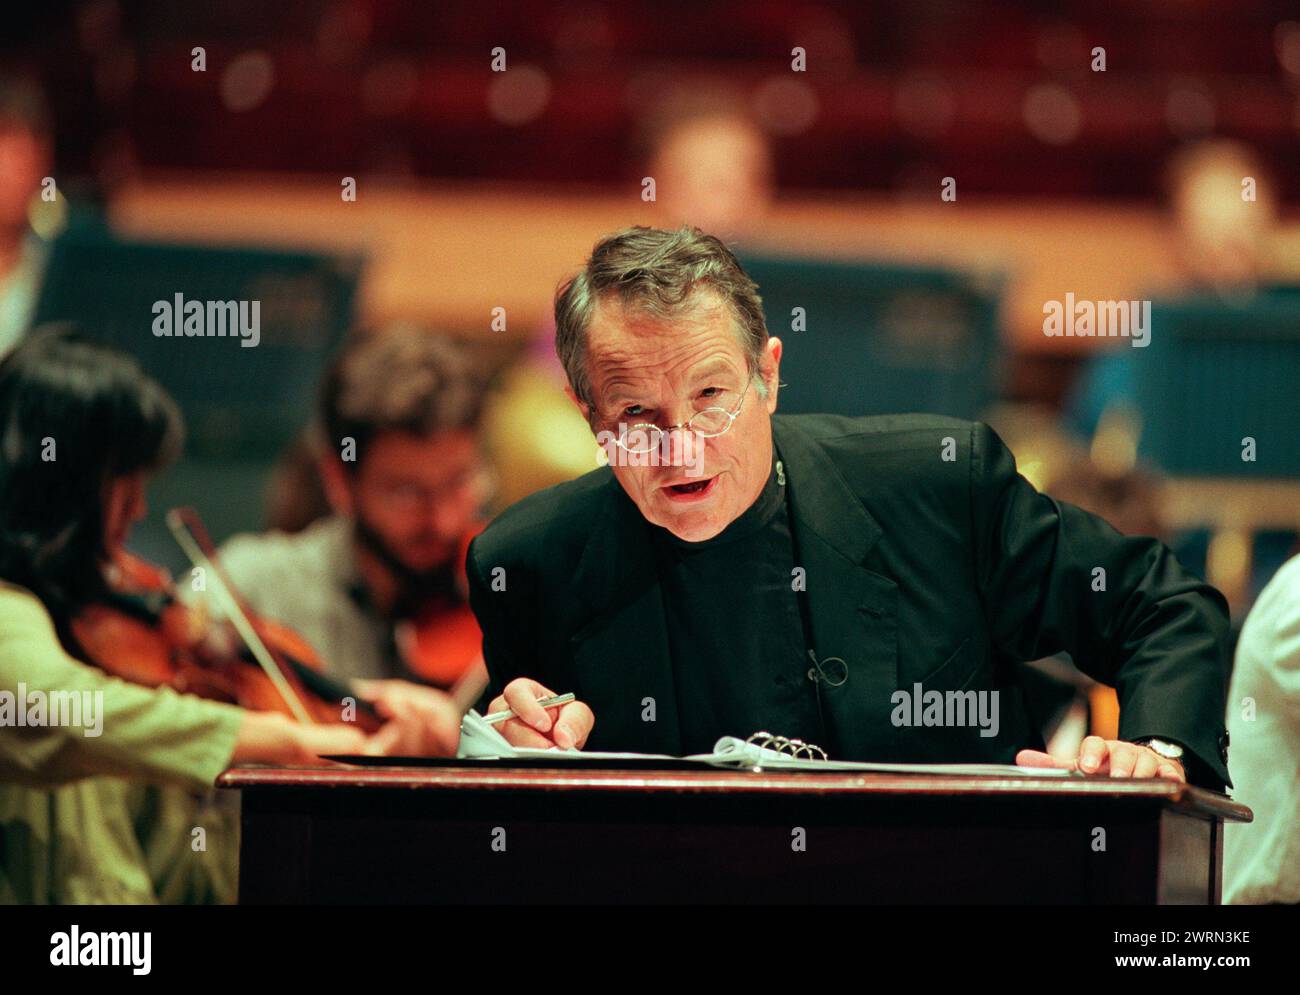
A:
707	423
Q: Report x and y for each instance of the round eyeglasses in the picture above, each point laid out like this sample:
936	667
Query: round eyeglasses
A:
707	423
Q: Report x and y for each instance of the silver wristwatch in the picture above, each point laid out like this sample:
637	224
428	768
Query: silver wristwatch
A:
1168	750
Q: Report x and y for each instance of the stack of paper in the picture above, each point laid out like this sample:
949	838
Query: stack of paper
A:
480	741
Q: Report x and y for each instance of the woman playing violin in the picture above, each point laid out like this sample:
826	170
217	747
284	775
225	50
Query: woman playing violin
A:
103	781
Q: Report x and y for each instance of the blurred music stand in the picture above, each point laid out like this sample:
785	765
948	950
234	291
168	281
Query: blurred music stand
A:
242	405
1216	373
881	338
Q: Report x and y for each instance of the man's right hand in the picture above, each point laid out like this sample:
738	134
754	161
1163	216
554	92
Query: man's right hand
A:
565	726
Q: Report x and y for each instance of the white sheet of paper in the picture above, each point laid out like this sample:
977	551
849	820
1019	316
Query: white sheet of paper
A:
481	741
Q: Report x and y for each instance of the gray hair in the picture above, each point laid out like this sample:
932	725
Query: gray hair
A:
655	272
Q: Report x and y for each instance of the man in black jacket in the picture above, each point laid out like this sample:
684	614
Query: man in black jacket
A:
863	584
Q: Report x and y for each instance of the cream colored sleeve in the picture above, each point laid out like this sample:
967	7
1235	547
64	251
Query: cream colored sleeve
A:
62	720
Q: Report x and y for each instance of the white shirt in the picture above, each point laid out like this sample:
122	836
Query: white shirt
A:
1261	859
309	581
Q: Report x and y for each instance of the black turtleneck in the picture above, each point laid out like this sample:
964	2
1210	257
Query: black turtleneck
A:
738	650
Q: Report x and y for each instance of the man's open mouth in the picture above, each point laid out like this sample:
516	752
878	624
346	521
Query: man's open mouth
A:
690	489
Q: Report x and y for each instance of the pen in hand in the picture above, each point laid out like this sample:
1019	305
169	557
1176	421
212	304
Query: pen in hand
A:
492	718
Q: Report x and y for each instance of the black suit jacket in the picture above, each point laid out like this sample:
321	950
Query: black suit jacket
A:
918	568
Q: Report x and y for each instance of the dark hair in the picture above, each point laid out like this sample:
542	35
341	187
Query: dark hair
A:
399	380
658	272
74	415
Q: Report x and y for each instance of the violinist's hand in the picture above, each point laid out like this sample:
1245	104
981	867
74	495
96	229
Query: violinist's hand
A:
565	726
272	738
328	739
422	721
1113	757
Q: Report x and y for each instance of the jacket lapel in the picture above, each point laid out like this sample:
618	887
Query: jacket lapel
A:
853	611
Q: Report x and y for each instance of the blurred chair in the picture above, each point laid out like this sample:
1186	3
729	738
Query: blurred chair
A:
1215	374
881	338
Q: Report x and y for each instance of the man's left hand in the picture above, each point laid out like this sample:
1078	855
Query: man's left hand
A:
1113	757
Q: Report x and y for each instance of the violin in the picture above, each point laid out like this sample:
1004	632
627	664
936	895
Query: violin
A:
440	642
144	633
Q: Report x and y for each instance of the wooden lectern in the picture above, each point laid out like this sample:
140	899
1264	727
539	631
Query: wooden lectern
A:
461	834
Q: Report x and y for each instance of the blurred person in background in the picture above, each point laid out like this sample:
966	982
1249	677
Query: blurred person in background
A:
1226	243
1225	211
25	160
531	432
712	165
377	586
1261	859
104	810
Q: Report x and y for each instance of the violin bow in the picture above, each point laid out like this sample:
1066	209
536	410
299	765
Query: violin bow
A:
187	528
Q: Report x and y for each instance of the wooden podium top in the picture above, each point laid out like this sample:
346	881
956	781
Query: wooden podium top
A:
710	781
